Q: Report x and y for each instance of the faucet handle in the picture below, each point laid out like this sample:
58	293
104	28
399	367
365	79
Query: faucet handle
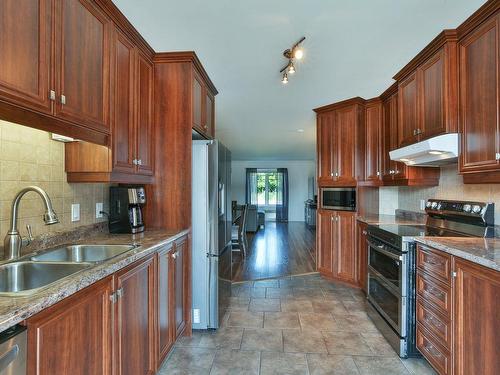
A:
30	232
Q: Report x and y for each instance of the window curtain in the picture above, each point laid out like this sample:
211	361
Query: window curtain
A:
251	186
282	196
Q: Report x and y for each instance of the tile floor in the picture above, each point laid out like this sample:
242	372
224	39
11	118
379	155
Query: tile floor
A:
301	325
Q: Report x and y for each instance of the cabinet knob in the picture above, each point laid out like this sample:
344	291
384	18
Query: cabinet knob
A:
52	95
497	156
139	162
331	174
378	173
337	174
174	255
63	99
365	232
134	161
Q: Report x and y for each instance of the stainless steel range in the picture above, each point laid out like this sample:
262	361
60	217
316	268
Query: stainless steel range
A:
391	264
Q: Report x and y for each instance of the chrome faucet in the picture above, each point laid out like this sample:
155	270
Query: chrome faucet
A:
13	240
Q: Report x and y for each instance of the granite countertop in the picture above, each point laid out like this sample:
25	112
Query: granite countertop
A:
483	251
14	310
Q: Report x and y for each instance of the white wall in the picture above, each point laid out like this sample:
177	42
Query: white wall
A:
298	173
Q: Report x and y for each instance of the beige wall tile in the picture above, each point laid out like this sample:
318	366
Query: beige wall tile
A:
29	157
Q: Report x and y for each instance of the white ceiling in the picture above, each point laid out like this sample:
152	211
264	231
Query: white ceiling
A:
352	47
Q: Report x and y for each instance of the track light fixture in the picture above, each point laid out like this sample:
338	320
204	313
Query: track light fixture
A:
297	53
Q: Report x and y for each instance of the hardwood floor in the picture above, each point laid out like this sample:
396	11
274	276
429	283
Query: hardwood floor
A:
280	249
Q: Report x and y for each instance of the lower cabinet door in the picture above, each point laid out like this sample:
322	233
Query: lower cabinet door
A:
73	336
135	316
165	331
178	263
477	319
345	251
324	242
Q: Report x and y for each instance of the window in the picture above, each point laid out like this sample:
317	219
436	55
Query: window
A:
267	189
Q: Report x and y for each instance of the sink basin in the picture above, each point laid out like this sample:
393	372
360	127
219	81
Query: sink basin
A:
82	253
19	277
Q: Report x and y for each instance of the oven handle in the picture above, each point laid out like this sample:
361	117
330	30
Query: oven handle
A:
381	249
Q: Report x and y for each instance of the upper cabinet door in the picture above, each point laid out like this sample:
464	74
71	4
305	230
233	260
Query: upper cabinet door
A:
325	147
408	123
432	89
210	114
479	98
145	130
373	141
25	46
345	146
123	138
83	38
197	102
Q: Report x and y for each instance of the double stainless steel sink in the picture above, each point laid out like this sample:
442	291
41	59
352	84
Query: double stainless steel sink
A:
31	273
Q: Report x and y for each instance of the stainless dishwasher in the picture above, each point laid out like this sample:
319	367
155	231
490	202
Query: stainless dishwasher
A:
13	351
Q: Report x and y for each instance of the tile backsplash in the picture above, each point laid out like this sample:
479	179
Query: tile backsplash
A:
30	157
451	186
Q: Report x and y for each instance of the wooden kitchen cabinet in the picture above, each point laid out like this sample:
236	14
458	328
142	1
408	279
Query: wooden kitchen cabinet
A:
373	142
428	91
203	107
362	255
397	173
181	279
339	151
73	336
476	319
479	53
165	332
336	252
135	319
25	48
325	242
130	158
83	63
457	313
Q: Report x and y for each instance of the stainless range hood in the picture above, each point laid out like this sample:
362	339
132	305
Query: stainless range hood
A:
433	152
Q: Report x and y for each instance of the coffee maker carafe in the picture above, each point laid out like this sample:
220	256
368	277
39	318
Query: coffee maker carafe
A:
125	214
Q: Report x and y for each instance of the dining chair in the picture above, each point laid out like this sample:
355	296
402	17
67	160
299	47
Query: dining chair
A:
239	232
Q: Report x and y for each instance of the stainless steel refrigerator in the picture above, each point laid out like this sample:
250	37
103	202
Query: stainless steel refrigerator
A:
211	232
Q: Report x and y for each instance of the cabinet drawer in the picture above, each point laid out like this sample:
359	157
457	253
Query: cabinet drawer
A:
435	262
433	322
437	356
435	292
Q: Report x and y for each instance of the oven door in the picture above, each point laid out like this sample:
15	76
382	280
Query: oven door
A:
387	283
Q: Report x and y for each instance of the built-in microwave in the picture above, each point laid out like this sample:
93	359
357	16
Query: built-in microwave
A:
343	199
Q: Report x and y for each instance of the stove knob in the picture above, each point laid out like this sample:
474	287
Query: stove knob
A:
439	205
476	209
467	207
428	204
434	205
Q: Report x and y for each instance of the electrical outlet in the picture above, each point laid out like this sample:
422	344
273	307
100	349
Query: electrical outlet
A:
98	210
422	204
196	316
75	212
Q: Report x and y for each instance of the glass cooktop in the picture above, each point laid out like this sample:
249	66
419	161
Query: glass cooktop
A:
403	230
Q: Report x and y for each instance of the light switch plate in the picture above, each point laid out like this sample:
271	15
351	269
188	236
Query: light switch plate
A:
196	316
98	210
75	212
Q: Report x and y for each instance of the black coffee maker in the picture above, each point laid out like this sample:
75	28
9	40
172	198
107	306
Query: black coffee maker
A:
125	214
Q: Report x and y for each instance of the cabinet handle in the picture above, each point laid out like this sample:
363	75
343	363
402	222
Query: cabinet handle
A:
52	95
432	350
415	132
337	174
378	173
497	156
174	255
365	232
139	162
120	292
63	99
331	174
